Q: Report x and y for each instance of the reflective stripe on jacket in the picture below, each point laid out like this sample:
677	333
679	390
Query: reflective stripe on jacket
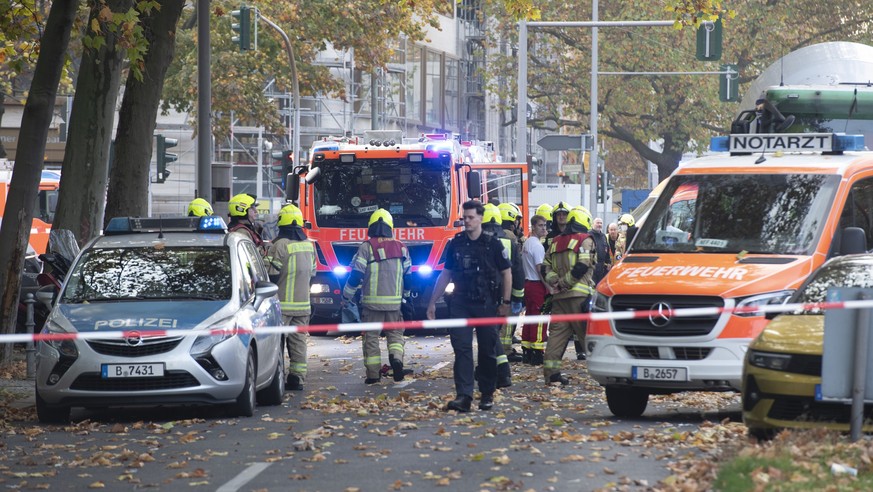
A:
382	280
294	262
564	252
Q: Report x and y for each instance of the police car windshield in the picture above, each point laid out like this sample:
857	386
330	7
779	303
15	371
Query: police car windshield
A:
123	274
416	194
732	213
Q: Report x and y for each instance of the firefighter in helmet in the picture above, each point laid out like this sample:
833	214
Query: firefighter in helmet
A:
568	267
291	263
243	211
199	208
380	268
626	232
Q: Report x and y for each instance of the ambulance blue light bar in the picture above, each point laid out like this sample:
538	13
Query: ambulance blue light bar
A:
127	225
786	142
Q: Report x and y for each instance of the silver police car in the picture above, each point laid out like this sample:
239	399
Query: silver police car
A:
148	282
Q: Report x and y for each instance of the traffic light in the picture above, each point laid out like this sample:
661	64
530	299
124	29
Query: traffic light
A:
604	186
533	170
709	41
164	157
284	166
728	83
242	27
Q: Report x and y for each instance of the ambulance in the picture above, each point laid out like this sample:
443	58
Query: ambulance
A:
731	231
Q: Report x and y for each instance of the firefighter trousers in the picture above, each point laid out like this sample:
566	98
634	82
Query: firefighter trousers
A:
372	352
561	332
296	344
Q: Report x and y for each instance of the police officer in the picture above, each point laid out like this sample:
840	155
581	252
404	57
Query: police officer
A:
291	263
479	266
243	211
199	208
568	269
381	269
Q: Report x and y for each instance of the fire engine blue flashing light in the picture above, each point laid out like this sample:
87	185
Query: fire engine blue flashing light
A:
425	270
446	147
340	270
848	142
321	148
718	144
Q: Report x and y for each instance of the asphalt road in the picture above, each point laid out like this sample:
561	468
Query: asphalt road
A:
341	435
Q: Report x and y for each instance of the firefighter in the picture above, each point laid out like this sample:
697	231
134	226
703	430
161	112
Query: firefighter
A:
559	222
626	230
291	263
545	211
199	208
479	266
380	268
491	225
243	211
510	215
568	269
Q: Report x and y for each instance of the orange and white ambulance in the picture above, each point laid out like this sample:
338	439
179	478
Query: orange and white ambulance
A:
736	230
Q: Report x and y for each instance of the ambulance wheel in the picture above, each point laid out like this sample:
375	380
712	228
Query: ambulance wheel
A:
626	402
51	415
246	401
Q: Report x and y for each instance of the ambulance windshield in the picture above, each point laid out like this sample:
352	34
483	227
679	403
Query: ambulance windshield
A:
731	213
416	194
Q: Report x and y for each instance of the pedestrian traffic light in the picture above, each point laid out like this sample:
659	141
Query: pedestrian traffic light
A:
709	41
242	27
533	170
164	157
728	83
283	165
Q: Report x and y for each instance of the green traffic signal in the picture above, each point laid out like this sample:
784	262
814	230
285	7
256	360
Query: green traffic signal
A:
163	157
284	166
242	27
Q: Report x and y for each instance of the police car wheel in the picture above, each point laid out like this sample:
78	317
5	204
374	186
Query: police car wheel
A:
626	402
273	394
246	401
49	414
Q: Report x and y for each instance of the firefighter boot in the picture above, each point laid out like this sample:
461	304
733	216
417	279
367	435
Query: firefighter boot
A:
486	401
293	383
536	357
504	375
397	367
558	378
525	356
460	404
580	351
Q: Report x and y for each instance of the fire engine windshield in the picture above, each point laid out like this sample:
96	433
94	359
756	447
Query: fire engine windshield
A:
755	213
416	194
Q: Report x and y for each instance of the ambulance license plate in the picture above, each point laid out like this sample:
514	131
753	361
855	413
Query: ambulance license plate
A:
140	370
641	373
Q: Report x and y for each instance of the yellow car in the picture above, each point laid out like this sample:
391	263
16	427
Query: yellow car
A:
783	365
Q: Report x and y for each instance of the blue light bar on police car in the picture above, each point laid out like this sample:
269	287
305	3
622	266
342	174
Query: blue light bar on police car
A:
786	142
127	225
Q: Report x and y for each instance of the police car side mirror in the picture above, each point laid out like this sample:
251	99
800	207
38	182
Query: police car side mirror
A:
263	291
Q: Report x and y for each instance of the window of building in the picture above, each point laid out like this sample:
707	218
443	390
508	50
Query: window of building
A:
450	95
413	83
433	90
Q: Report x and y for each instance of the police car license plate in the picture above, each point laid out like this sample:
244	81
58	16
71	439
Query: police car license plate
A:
140	370
659	373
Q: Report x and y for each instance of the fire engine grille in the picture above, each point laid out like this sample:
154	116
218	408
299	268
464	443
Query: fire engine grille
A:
686	326
345	252
418	252
171	380
121	348
680	353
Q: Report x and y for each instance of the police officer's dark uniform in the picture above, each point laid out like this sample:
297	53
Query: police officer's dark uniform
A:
476	268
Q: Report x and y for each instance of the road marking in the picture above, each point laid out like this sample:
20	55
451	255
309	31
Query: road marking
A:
244	477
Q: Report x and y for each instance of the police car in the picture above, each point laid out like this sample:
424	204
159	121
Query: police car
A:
145	283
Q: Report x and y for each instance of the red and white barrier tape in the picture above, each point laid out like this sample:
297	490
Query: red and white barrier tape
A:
435	324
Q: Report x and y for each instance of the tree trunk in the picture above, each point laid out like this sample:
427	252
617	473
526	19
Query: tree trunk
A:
130	170
2	112
38	110
82	196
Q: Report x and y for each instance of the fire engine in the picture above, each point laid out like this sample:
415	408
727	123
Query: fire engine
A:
421	181
44	208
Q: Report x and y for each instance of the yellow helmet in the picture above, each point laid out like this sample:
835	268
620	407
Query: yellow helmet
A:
545	210
199	208
509	211
239	205
492	213
627	219
582	208
561	207
384	216
581	217
290	215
